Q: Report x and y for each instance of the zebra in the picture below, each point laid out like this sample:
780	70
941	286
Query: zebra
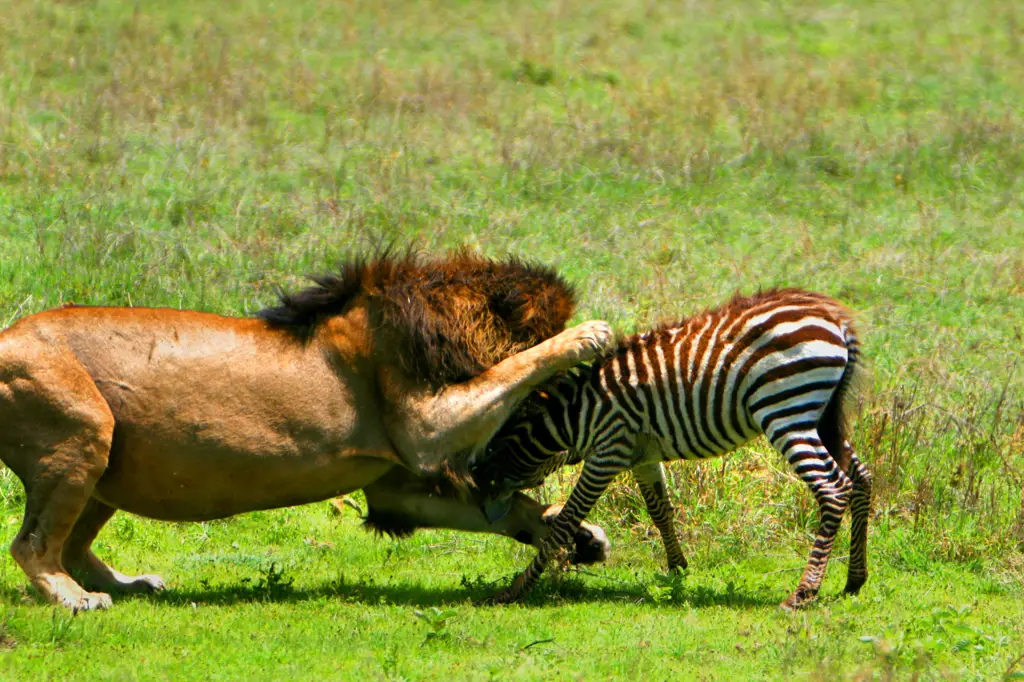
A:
779	363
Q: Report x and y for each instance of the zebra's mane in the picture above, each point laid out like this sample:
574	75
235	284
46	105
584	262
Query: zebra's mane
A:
736	304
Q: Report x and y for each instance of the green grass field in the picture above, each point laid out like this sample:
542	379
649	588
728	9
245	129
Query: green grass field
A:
661	155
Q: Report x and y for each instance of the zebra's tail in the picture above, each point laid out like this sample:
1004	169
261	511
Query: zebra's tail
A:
833	426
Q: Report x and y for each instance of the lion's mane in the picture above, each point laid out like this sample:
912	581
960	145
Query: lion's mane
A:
453	317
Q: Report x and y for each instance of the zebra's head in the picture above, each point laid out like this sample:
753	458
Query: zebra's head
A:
516	457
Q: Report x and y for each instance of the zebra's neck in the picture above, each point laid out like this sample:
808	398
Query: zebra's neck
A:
550	429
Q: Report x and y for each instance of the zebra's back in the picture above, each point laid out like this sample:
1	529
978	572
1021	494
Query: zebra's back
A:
707	385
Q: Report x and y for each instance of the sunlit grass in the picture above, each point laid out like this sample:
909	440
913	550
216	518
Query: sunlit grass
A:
661	156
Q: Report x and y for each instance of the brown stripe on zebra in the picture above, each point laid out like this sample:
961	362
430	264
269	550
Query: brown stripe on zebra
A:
755	333
687	390
790	369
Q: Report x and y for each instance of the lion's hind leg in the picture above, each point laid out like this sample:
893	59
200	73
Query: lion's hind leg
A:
79	559
55	434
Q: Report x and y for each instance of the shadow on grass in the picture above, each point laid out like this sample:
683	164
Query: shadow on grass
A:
563	591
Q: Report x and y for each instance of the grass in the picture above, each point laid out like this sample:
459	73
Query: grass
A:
661	155
245	605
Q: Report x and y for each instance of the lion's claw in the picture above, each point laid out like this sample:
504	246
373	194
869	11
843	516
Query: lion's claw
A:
88	601
593	338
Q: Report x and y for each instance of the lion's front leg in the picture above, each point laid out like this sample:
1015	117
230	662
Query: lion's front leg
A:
80	560
427	426
399	502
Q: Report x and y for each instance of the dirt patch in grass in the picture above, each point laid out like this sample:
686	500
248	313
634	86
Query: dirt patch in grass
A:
6	641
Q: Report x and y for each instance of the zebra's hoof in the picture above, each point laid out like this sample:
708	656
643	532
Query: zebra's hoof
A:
798	600
499	599
854	583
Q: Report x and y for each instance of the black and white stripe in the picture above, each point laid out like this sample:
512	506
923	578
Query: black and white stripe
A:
778	363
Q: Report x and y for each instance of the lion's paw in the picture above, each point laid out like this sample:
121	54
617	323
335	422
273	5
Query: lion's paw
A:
592	339
146	583
591	545
88	601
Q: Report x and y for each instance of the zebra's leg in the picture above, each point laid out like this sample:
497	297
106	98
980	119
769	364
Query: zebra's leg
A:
831	488
595	478
651	479
860	510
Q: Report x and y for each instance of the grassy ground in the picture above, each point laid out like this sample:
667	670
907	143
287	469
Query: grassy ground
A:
661	155
251	604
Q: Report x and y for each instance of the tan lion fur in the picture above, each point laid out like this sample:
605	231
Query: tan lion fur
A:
372	379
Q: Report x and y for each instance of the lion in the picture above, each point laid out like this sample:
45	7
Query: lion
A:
372	379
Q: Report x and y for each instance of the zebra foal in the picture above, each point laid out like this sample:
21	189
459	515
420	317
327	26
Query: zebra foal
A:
778	363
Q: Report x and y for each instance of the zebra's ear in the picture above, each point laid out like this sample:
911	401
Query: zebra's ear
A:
497	508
